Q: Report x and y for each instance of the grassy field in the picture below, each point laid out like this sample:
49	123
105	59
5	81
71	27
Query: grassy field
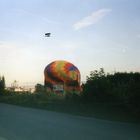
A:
108	111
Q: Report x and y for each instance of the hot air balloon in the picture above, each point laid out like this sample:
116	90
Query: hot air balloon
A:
62	76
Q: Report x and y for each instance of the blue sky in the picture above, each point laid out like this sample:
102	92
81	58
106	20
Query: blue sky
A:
89	33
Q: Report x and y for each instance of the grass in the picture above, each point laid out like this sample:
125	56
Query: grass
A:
108	111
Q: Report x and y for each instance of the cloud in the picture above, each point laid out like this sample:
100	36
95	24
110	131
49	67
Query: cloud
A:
92	19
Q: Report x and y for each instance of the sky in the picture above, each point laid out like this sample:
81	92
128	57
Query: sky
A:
91	34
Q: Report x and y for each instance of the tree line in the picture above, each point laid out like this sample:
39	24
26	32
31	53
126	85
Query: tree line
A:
120	87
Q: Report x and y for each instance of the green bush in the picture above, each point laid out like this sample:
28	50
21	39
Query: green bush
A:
122	88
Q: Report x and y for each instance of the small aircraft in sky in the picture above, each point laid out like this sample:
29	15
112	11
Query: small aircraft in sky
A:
47	34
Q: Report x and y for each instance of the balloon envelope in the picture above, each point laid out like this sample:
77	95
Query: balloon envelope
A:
62	72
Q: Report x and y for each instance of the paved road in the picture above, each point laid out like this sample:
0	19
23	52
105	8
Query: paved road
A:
19	123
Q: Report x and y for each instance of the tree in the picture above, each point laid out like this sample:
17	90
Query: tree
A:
39	88
2	84
96	86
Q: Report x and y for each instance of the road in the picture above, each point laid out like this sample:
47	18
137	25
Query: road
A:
19	123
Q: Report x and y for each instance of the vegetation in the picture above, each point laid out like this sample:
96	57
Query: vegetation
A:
2	84
39	88
119	88
108	96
